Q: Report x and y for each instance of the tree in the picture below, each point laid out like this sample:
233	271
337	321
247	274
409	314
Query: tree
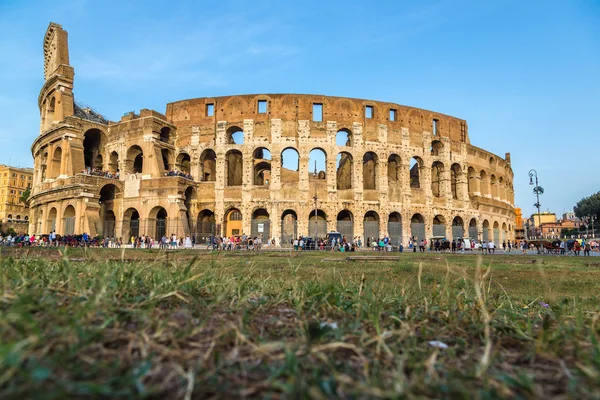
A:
588	206
25	196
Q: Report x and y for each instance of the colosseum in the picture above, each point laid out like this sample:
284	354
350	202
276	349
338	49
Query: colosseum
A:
276	165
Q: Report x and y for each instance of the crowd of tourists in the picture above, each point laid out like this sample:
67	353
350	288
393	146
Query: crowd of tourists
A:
99	172
175	172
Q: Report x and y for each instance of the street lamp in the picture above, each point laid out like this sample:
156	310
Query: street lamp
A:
537	190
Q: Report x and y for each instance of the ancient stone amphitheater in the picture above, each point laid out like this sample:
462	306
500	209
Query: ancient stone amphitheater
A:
276	165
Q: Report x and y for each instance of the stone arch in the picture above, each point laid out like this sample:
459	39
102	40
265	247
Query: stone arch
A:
437	171
56	163
496	232
416	163
394	168
261	160
234	168
69	216
458	230
205	223
261	223
345	224
135	158
439	225
417	227
131	224
167	159
113	162
183	162
51	220
483	183
436	149
317	159
494	186
317	223
235	135
94	142
344	170
395	228
208	166
233	222
473	232
165	134
455	174
290	165
371	226
289	227
486	230
343	137
472	181
370	170
157	222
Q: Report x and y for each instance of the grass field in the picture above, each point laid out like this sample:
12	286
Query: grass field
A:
146	324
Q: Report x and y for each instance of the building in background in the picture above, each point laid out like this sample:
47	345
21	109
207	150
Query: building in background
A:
519	224
13	183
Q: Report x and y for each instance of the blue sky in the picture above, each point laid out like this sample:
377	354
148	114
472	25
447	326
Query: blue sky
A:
524	74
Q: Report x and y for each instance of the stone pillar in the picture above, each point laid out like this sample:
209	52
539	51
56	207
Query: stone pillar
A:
303	169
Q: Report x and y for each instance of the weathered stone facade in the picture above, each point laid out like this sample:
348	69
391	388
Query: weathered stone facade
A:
388	169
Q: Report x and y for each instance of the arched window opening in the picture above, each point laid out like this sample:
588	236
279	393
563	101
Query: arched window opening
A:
183	163
235	168
494	186
415	174
417	227
472	181
289	227
486	231
131	224
343	137
93	143
473	234
261	158
50	222
55	165
290	165
113	163
436	148
69	220
165	134
394	168
260	224
205	225
370	167
344	168
317	224
436	178
439	226
496	233
345	224
233	223
317	164
235	135
371	228
135	157
458	230
484	183
395	228
208	163
455	172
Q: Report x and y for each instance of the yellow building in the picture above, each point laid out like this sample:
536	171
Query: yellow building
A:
13	182
543	218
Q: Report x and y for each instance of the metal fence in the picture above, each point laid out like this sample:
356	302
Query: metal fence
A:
261	227
395	232
473	233
496	237
346	228
457	231
439	230
317	228
417	230
371	230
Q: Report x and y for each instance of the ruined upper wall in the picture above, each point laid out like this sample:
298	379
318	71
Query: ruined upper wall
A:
56	49
294	107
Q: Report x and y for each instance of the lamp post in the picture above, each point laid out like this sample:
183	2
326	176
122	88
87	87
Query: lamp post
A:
526	230
537	190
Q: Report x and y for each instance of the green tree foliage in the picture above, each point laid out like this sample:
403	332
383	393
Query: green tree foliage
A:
588	206
25	196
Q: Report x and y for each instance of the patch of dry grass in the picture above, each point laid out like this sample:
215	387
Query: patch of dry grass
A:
233	325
